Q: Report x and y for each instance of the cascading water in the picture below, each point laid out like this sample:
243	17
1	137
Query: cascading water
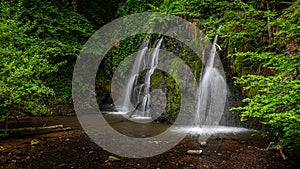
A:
152	64
134	75
211	99
212	93
136	100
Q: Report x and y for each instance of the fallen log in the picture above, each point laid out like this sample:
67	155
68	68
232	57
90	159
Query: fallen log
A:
17	132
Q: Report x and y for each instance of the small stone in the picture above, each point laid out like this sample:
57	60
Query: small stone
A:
14	161
203	143
113	158
18	152
34	142
194	152
219	154
28	158
91	152
61	165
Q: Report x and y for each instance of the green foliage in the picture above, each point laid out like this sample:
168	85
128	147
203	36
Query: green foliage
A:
173	99
98	12
40	42
116	55
276	98
289	28
273	82
136	6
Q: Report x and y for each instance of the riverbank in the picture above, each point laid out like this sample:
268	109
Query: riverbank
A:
74	149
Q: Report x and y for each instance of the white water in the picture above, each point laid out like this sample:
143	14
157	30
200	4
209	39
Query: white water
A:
211	98
212	93
137	96
144	112
207	130
138	66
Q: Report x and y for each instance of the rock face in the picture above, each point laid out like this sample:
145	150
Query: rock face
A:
158	103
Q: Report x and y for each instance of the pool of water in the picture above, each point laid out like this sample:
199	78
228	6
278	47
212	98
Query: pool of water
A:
212	130
139	127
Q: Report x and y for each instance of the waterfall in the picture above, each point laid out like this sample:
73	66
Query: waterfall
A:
134	75
212	93
152	64
137	96
211	99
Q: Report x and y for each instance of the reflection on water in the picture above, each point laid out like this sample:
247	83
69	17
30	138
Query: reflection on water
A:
128	127
137	128
212	130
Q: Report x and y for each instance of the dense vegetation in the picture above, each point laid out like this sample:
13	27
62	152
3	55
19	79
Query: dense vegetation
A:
259	41
40	42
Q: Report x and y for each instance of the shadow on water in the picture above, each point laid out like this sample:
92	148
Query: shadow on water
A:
135	129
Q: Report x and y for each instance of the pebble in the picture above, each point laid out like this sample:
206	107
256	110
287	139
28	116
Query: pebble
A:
194	152
18	152
113	158
34	142
203	143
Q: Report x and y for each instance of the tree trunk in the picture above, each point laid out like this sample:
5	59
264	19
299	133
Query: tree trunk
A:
269	25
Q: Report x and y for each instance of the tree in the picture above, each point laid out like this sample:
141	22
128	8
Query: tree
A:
273	93
40	42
